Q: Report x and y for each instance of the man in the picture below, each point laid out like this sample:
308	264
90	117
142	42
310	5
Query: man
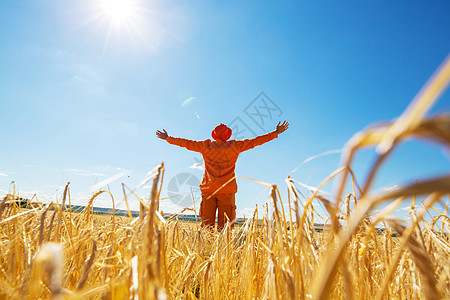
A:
218	186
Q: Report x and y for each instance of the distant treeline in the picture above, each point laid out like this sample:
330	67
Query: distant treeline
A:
25	203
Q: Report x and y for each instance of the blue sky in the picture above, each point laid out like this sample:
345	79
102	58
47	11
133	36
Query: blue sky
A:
84	89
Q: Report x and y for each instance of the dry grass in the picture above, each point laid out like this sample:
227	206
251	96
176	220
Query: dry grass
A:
54	254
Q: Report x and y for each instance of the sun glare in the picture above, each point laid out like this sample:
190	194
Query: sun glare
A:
125	23
118	10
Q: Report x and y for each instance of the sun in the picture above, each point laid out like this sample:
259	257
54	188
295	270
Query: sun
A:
124	24
118	11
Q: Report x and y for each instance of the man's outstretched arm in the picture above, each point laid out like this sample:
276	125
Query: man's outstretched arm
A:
188	144
247	144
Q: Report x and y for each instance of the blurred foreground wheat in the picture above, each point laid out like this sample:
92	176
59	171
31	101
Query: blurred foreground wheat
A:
51	252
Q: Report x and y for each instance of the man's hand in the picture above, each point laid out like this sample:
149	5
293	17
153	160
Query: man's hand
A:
162	134
282	128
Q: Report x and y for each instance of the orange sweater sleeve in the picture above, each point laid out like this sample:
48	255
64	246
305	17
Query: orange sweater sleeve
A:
247	144
196	146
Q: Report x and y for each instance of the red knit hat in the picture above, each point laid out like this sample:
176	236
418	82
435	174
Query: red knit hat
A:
221	132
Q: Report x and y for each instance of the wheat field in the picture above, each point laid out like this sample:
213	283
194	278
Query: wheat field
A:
50	252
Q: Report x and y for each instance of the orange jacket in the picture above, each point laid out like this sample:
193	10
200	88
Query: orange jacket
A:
220	160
